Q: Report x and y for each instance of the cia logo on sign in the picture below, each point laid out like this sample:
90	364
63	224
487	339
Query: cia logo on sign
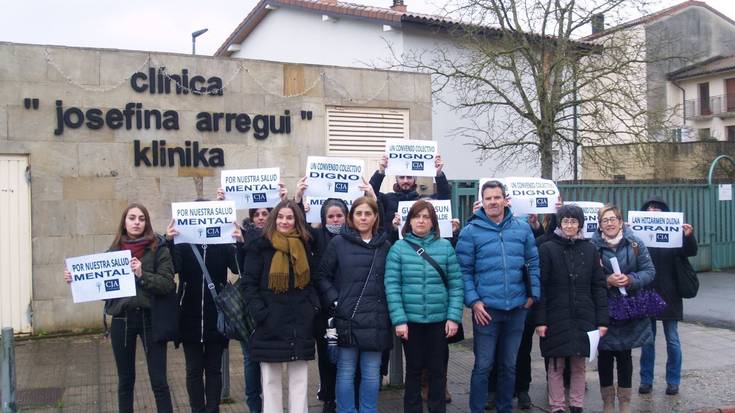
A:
591	226
213	232
112	285
340	187
662	237
417	165
542	202
259	197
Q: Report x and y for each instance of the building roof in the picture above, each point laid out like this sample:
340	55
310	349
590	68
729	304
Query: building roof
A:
332	7
389	16
658	16
717	64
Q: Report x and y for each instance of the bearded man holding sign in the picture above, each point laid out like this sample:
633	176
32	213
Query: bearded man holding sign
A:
405	190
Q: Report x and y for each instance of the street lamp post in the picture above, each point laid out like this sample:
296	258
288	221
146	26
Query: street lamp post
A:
194	36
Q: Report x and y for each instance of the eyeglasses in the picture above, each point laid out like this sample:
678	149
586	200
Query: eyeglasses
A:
611	220
569	221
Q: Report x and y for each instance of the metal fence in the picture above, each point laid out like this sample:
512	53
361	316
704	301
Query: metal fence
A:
713	220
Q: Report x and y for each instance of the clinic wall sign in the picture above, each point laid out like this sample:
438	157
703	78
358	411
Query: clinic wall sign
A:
135	116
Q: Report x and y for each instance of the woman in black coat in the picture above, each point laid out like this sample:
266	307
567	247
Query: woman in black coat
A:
665	261
283	302
203	344
573	302
351	276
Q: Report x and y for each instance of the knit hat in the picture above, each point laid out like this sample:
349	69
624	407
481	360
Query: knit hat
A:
570	211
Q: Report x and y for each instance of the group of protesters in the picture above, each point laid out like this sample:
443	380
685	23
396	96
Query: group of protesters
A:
340	290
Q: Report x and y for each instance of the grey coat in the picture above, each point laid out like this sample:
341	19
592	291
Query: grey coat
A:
635	261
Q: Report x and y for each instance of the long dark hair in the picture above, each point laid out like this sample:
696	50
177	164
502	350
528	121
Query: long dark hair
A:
299	221
417	207
147	230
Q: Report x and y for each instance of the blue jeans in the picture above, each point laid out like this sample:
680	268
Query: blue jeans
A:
673	351
347	359
496	342
253	385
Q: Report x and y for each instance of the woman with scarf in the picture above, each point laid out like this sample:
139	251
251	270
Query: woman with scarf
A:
636	271
283	302
573	301
351	276
252	230
131	316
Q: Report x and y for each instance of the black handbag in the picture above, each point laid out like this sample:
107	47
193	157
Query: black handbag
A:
687	282
459	335
233	319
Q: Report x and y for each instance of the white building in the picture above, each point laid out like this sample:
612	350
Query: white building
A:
706	91
328	32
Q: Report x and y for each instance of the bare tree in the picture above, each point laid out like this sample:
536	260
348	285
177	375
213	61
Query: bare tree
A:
532	89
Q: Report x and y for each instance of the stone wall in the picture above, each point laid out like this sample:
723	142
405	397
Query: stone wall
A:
84	178
655	161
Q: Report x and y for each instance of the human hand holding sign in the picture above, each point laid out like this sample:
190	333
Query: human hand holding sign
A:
438	163
136	266
171	231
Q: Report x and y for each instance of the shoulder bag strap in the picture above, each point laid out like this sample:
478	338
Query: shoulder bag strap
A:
370	272
422	253
205	271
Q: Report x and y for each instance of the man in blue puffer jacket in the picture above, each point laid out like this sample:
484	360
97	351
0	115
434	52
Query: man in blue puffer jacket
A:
492	251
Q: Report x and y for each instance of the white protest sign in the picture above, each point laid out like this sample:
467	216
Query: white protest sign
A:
204	222
313	215
528	195
594	338
412	158
101	276
724	192
590	216
252	188
443	210
657	229
334	177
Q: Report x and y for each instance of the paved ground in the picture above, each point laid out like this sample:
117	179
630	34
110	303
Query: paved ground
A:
77	374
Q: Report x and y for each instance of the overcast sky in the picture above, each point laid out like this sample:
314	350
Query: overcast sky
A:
161	25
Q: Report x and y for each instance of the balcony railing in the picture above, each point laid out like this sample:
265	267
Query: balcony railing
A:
715	106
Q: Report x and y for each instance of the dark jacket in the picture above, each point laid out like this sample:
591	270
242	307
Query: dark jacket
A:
198	313
342	274
389	201
284	322
635	261
664	260
157	279
573	296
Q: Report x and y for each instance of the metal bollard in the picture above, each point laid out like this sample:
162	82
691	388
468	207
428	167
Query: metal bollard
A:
395	367
225	394
7	372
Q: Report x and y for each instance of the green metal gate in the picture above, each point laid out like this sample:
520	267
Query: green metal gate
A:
713	220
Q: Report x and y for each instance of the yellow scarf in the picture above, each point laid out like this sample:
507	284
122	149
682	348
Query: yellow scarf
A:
288	246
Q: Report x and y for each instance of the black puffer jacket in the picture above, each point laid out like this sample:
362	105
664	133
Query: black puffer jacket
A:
664	260
389	201
573	296
284	322
342	274
198	313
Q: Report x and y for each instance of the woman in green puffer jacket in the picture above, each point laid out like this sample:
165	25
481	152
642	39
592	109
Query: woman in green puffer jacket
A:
424	303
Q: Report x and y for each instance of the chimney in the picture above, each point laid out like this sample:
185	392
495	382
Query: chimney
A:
598	23
399	6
